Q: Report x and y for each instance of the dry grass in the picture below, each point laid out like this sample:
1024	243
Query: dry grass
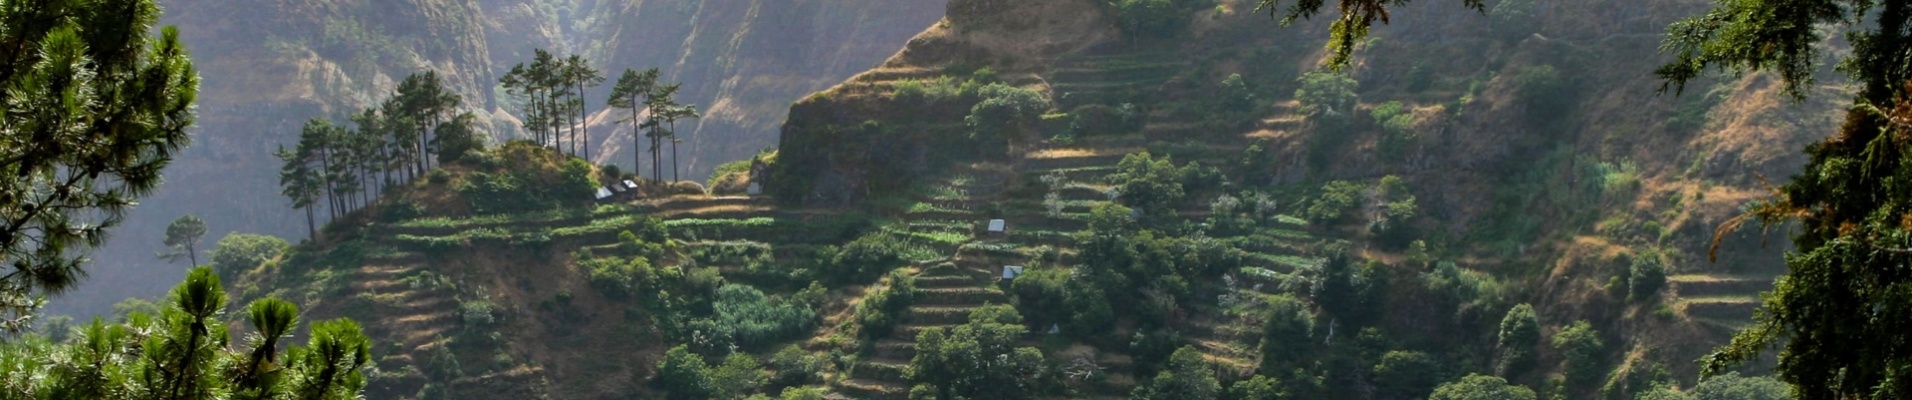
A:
1080	152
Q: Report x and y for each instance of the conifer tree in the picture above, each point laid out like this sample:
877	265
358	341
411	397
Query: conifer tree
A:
182	237
630	93
97	105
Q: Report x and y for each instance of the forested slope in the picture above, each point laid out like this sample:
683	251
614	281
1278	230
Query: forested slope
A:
1192	210
270	65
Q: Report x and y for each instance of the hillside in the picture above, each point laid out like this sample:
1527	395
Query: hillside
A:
271	65
1190	184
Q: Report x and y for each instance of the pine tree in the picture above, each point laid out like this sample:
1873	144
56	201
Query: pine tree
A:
630	93
74	165
182	237
299	183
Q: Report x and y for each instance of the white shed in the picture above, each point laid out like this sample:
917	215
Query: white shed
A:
997	226
1010	272
603	193
754	189
628	184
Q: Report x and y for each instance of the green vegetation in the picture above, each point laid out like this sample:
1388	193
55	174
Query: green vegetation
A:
747	318
1582	349
1003	114
186	351
1481	387
97	107
1512	20
182	237
882	311
344	167
1547	94
1187	377
1519	336
240	252
979	360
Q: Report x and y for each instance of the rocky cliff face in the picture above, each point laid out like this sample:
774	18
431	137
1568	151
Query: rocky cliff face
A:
744	62
268	65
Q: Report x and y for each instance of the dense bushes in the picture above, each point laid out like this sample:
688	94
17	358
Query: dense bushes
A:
747	318
526	180
1337	201
1099	120
1481	387
866	258
1645	276
1003	113
240	252
1286	334
1519	333
1547	94
980	360
1581	348
881	312
1406	374
1187	377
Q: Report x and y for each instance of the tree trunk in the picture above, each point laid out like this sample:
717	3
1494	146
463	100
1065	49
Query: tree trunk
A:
637	157
185	370
192	252
584	115
311	228
674	151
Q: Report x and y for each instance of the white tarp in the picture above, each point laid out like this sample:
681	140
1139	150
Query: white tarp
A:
1011	271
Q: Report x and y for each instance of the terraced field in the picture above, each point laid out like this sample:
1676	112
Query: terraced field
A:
1722	302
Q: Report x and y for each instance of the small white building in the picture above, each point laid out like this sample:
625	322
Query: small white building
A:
603	193
754	189
1010	272
998	227
628	184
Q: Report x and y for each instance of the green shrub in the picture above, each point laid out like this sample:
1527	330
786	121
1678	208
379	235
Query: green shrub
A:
1098	120
1732	386
1336	202
400	210
1406	374
795	367
1481	387
1581	350
1188	376
1547	94
880	313
1151	184
867	257
1646	276
1286	336
747	318
500	194
240	252
684	375
1512	20
1519	333
1003	112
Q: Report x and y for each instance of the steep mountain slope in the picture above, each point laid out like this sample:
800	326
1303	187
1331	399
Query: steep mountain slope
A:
1553	189
270	65
1536	163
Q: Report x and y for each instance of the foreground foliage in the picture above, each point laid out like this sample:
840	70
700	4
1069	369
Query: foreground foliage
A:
95	109
185	351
